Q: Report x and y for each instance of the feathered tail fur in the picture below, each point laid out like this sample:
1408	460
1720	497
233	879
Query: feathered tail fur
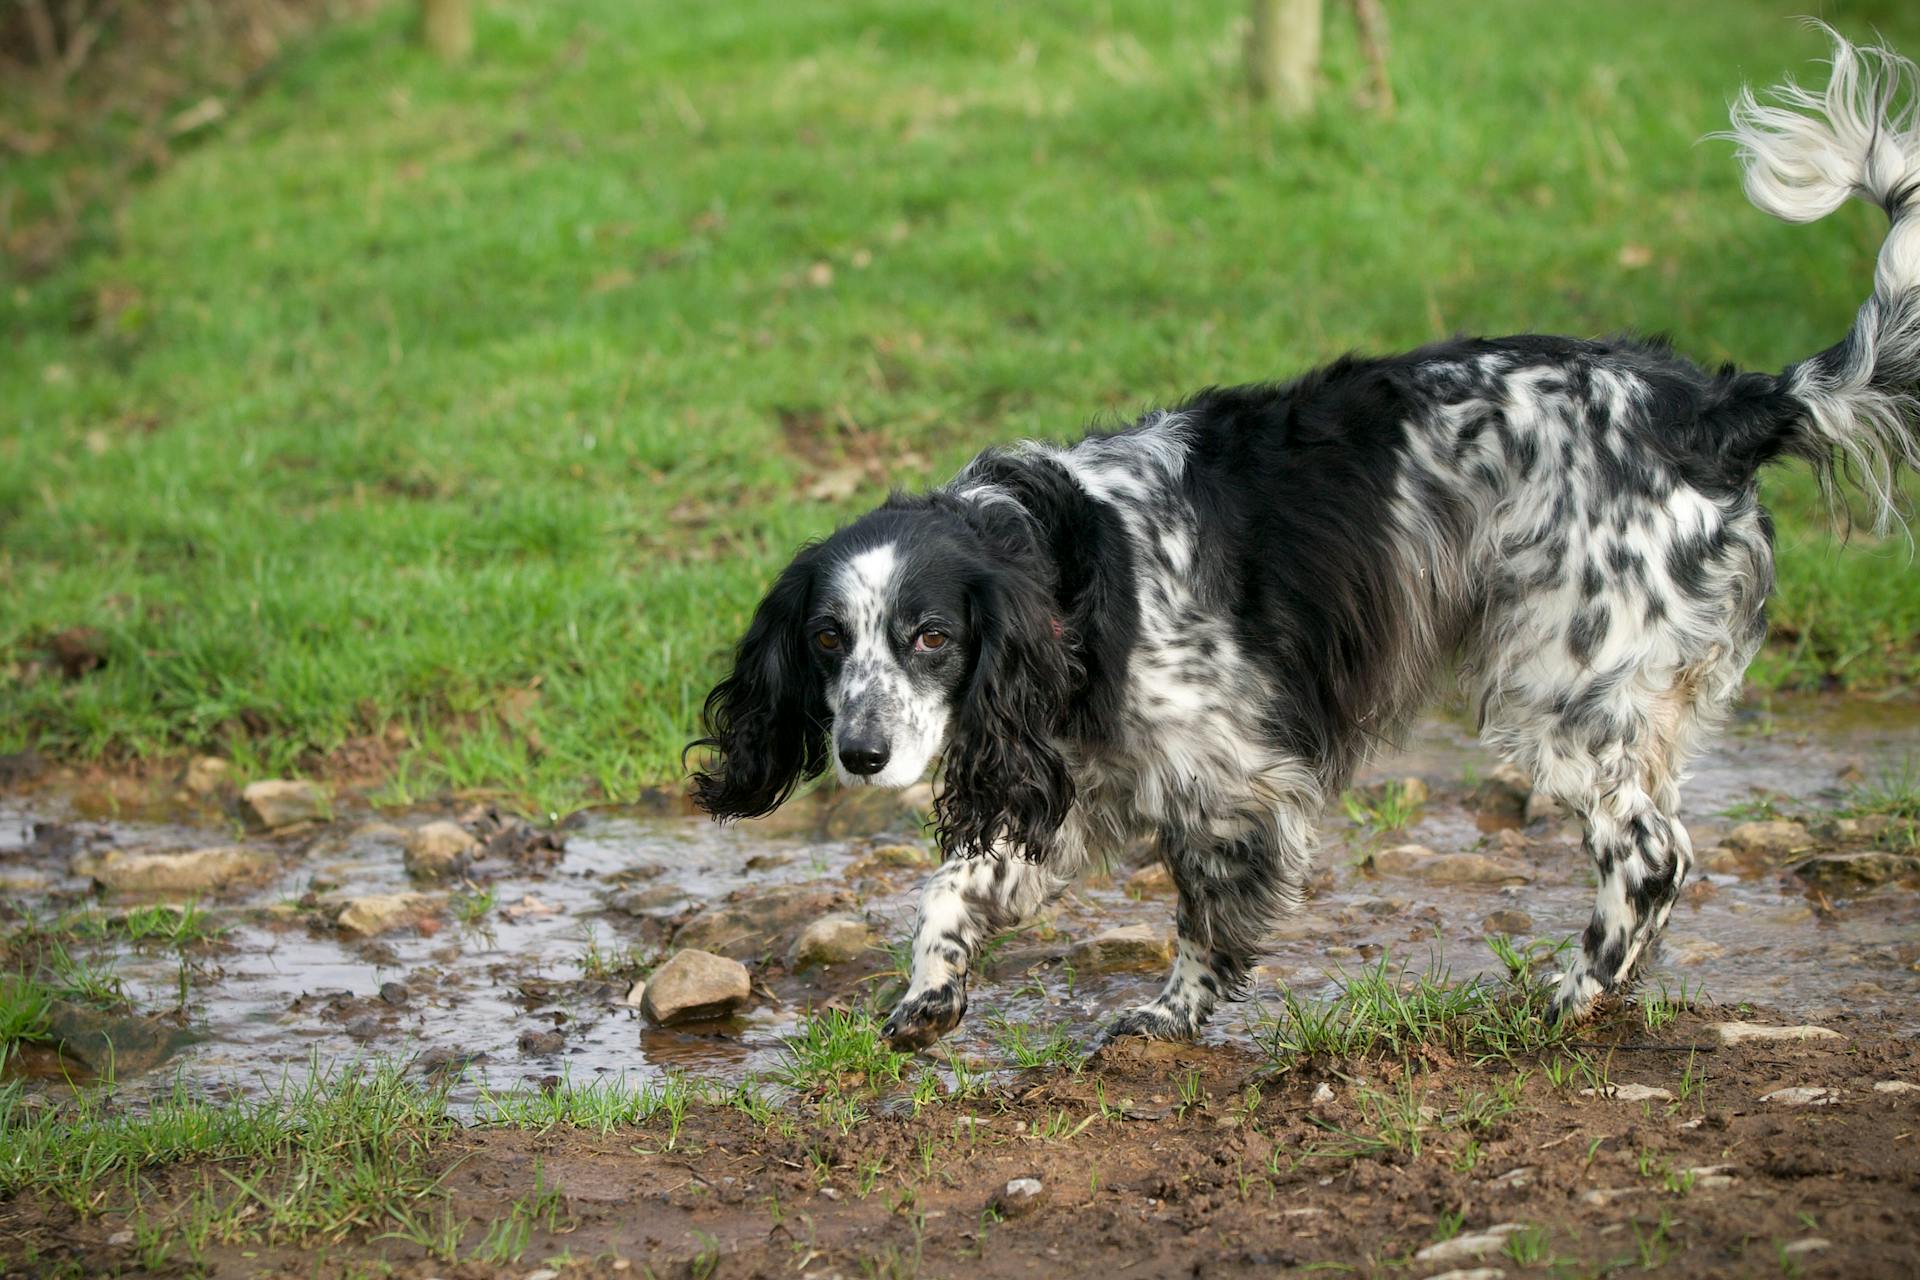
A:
1806	151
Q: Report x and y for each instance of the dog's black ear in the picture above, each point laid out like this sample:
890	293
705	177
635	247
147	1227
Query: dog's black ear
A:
767	722
1005	784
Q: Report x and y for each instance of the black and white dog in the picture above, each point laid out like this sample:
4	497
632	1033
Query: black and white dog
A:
1198	626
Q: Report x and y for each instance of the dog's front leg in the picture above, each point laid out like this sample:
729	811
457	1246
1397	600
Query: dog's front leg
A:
964	904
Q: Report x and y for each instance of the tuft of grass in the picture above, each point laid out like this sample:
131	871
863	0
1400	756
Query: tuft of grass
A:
25	1009
1029	1047
503	490
1894	793
604	1104
834	1050
1392	1011
1389	808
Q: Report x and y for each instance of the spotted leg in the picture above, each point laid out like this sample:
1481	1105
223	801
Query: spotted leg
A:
964	904
1231	892
1642	854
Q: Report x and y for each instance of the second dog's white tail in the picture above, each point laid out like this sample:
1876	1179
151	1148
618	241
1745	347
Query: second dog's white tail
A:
1806	151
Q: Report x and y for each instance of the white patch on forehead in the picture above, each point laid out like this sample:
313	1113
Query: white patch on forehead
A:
872	687
866	575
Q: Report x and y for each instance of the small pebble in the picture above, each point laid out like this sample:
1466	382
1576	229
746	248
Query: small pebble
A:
539	1043
395	993
1802	1096
1020	1196
1629	1093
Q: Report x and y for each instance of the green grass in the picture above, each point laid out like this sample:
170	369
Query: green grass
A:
1389	1010
833	1049
477	405
320	1160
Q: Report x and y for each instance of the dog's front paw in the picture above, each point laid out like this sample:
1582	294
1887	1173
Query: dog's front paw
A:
1574	997
919	1020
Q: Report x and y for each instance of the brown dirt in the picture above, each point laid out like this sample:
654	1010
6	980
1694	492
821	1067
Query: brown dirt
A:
1213	1188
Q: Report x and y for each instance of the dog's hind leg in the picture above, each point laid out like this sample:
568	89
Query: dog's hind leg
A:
964	904
1642	854
1627	793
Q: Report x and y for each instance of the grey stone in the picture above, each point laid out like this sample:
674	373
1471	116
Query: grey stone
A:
829	941
395	993
1802	1096
280	802
201	871
694	986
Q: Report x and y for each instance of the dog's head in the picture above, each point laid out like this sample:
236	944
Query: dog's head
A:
921	630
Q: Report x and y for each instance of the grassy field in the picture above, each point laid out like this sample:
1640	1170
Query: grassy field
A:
470	408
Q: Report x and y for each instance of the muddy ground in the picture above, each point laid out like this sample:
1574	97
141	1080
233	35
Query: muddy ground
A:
1204	1164
513	970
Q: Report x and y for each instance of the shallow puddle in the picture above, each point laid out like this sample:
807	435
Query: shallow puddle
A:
532	988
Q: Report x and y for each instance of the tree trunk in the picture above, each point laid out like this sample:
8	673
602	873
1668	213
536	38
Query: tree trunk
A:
447	26
1283	53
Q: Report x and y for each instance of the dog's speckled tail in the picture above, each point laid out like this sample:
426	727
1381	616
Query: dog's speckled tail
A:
1806	151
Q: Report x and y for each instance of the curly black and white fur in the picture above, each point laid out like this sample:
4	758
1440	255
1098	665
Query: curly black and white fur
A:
1197	627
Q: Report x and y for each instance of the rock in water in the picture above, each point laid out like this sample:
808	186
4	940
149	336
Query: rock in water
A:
438	849
1150	881
694	986
281	802
760	924
1452	868
201	871
832	940
1508	920
384	912
111	1044
1772	837
1842	872
1130	947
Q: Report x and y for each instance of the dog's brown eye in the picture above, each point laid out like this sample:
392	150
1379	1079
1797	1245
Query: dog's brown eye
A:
827	638
929	640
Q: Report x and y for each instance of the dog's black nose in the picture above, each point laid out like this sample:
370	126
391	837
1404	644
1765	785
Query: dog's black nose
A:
864	758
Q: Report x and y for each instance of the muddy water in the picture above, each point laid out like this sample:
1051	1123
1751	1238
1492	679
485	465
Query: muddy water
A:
534	989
